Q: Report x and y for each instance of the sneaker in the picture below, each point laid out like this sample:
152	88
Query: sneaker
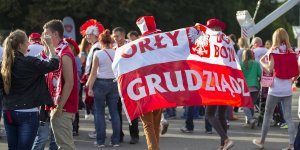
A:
75	133
185	130
99	145
252	123
246	125
2	132
164	127
290	147
220	148
259	145
134	140
89	117
284	126
114	145
228	144
92	135
208	132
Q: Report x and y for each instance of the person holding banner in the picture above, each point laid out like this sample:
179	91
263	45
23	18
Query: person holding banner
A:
280	56
219	124
104	89
151	120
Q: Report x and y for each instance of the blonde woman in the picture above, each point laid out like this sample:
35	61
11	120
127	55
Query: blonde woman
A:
25	89
243	45
280	56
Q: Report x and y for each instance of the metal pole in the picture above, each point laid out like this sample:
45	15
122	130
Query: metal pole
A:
255	13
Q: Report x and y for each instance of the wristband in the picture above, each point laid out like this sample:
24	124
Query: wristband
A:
58	107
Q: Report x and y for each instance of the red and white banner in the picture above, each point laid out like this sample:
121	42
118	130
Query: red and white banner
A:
189	66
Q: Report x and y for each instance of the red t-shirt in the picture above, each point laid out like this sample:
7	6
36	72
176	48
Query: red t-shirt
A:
56	82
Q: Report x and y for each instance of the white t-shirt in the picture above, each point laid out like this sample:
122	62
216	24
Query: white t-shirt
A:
281	87
259	52
240	54
89	57
34	49
104	70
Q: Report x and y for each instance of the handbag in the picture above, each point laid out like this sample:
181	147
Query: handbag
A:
84	79
267	79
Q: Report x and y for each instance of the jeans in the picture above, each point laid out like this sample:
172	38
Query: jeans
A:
271	103
21	129
189	122
249	112
106	93
297	140
42	137
170	112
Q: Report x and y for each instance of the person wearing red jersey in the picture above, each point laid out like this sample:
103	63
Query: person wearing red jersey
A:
63	87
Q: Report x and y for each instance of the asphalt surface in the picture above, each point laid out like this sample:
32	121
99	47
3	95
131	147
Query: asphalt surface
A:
174	139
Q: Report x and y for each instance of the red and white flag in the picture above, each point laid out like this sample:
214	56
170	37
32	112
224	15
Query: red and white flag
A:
185	67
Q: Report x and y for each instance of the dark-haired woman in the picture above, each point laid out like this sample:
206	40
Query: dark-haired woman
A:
252	72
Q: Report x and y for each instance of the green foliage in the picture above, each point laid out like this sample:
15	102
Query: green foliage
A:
169	14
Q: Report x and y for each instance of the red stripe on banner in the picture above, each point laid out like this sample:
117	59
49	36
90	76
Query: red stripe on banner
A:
182	83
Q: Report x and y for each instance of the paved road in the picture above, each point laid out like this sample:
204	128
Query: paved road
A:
199	140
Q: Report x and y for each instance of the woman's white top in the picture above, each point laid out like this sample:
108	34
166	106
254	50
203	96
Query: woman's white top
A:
104	70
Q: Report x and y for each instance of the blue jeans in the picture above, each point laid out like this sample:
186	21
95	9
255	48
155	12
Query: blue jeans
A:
106	93
21	129
297	140
189	122
170	112
249	112
42	137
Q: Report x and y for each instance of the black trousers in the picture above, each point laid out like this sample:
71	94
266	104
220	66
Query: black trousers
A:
133	128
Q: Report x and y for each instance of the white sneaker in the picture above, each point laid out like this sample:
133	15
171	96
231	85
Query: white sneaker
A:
89	117
164	127
2	132
92	135
99	145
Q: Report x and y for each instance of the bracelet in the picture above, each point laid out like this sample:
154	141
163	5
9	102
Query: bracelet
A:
58	107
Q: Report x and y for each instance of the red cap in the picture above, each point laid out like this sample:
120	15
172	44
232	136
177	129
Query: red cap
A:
147	25
75	45
216	23
35	35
